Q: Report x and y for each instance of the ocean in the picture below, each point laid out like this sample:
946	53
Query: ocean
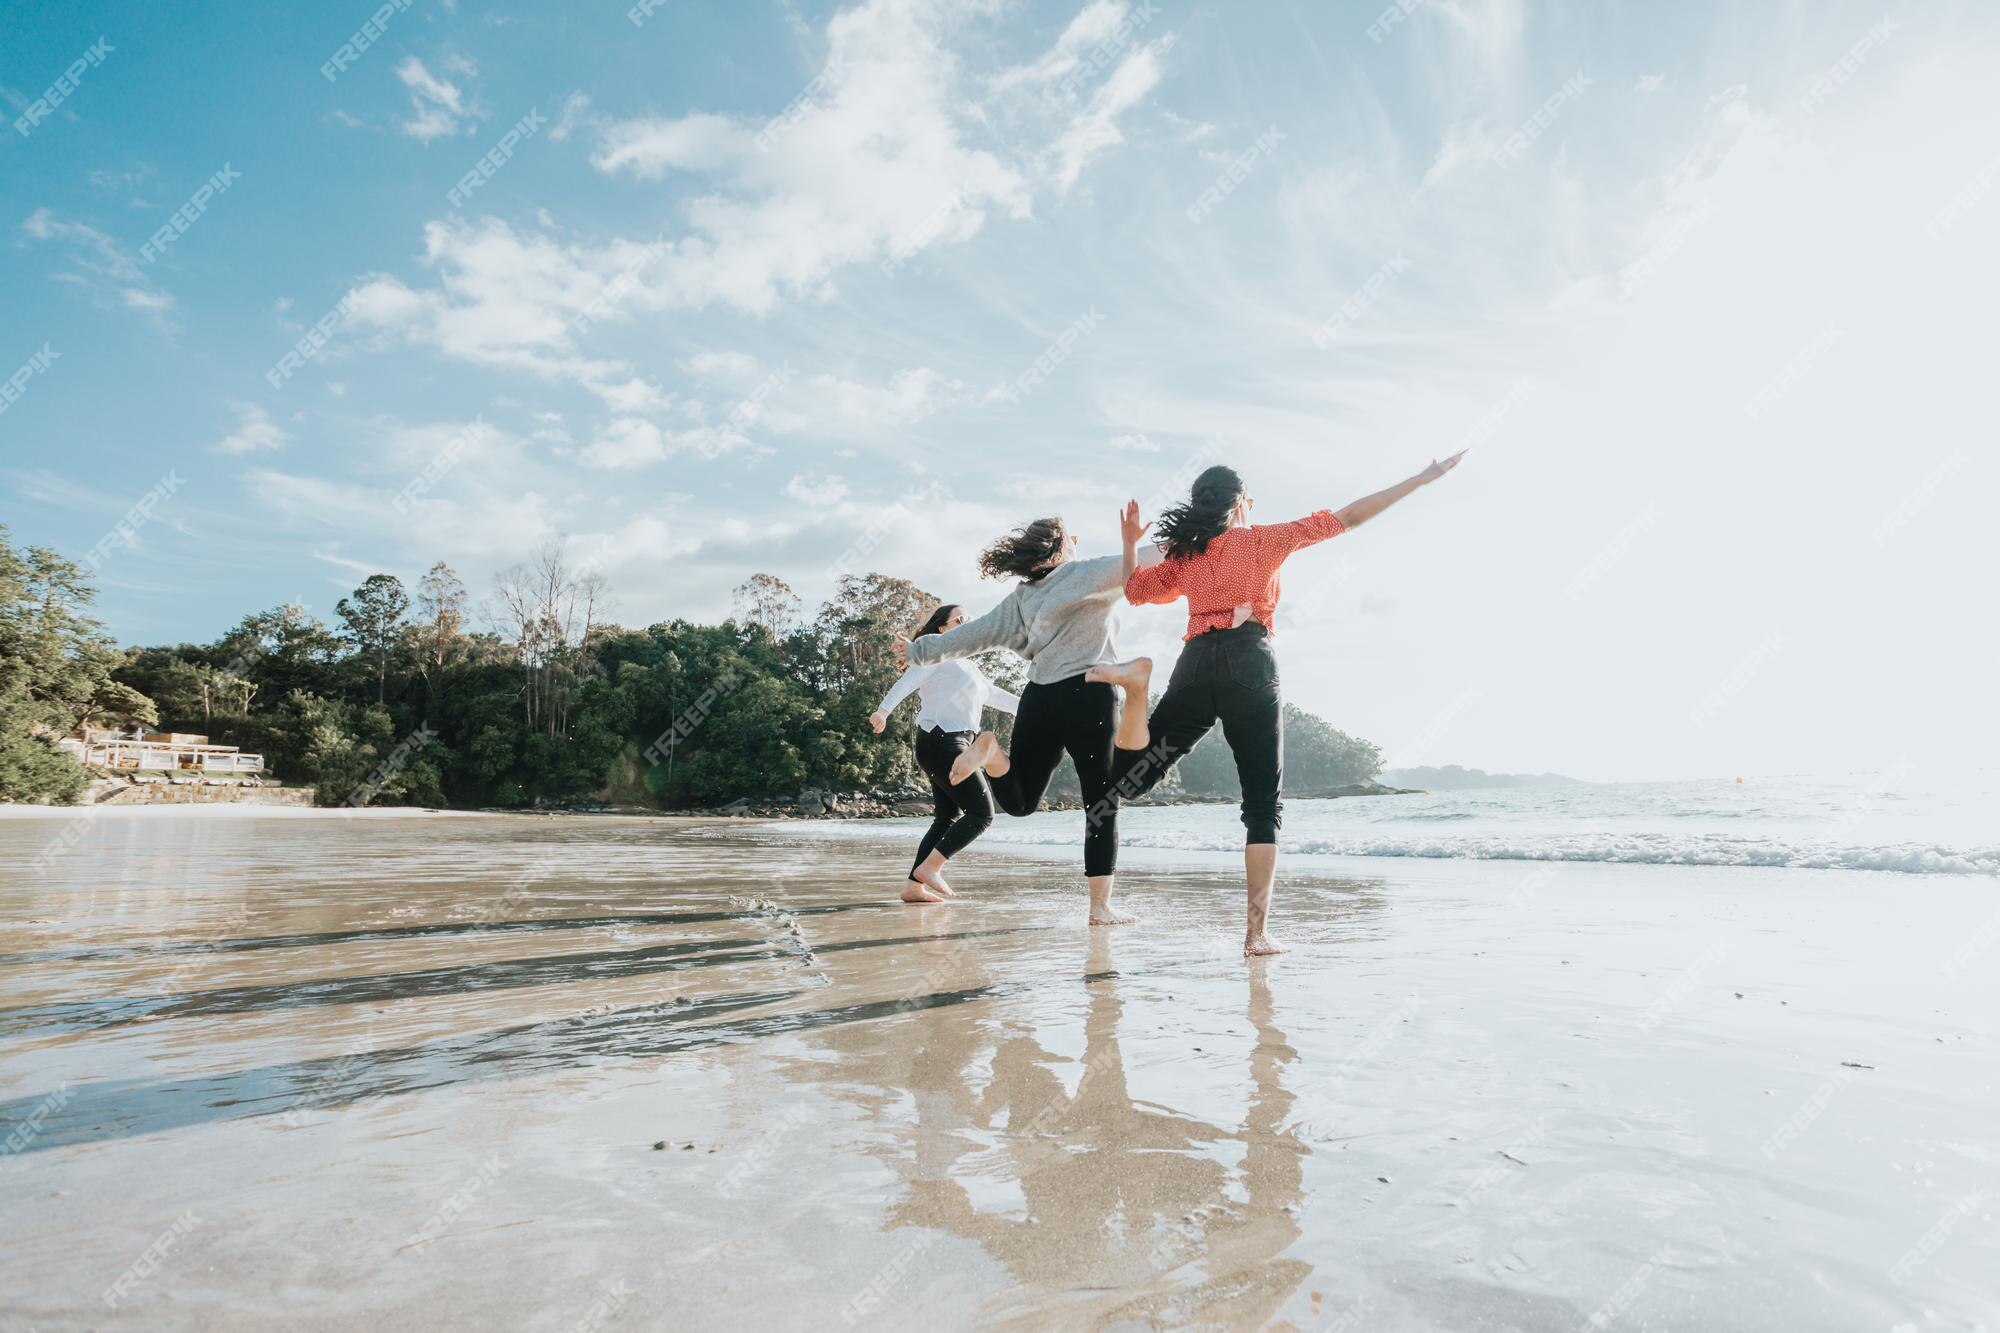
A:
1887	821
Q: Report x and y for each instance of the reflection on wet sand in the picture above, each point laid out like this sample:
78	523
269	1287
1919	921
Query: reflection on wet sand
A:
1107	1207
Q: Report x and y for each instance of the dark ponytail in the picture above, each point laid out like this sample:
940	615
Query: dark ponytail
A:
935	625
1025	553
1186	530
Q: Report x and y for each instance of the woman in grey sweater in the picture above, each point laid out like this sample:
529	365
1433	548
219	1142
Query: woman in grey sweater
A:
1063	617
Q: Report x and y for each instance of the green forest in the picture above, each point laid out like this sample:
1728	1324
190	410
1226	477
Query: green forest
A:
525	695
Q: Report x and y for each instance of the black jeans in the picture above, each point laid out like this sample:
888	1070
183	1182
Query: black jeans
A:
964	811
1230	676
1080	717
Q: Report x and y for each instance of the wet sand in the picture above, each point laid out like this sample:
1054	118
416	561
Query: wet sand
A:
411	1071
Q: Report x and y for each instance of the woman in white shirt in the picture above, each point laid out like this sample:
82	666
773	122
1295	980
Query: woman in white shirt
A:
951	696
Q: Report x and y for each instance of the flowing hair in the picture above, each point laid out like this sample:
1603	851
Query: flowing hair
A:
935	625
1186	530
1025	553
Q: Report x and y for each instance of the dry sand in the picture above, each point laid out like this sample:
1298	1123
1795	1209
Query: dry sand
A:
413	1072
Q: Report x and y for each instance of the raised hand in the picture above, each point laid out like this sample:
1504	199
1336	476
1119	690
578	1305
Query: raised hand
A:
1129	526
901	645
1439	467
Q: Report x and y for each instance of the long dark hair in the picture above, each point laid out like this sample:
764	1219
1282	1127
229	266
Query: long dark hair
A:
1025	553
935	625
1186	530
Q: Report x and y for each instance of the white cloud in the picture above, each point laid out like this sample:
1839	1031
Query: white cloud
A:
439	106
1134	444
100	266
1095	128
835	405
729	367
627	442
1649	83
818	492
255	431
1096	22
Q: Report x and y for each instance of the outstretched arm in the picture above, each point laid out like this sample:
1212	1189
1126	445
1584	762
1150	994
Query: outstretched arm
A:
999	628
1131	530
898	692
1370	505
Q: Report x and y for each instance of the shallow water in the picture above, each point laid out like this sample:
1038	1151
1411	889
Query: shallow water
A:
357	1071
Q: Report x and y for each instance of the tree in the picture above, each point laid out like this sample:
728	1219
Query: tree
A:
767	602
551	612
439	626
55	673
374	616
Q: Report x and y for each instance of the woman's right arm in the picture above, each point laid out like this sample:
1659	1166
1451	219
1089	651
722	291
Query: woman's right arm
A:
898	692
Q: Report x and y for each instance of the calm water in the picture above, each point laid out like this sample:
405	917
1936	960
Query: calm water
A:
1876	822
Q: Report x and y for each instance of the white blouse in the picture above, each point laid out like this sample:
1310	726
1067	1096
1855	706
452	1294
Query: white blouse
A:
953	693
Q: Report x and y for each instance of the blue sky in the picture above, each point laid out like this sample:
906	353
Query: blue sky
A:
755	275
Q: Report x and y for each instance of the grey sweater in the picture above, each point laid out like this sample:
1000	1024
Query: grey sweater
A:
1064	623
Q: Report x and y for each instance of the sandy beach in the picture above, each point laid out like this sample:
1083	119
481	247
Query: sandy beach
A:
454	1071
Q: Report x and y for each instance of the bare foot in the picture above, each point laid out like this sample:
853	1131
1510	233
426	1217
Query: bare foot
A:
932	881
976	757
1260	945
914	892
1108	915
1133	677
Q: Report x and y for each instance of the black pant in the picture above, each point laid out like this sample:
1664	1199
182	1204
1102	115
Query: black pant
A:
1080	717
1231	676
964	811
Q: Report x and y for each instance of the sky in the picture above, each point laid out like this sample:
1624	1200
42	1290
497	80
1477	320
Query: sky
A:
290	295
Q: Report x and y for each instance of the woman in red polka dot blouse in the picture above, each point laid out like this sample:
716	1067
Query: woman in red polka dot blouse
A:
1227	569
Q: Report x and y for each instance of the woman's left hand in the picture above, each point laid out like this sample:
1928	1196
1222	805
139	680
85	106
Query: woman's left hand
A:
901	644
1129	526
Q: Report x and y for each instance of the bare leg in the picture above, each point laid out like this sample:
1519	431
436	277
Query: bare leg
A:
982	753
1102	913
928	876
1134	678
1260	868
